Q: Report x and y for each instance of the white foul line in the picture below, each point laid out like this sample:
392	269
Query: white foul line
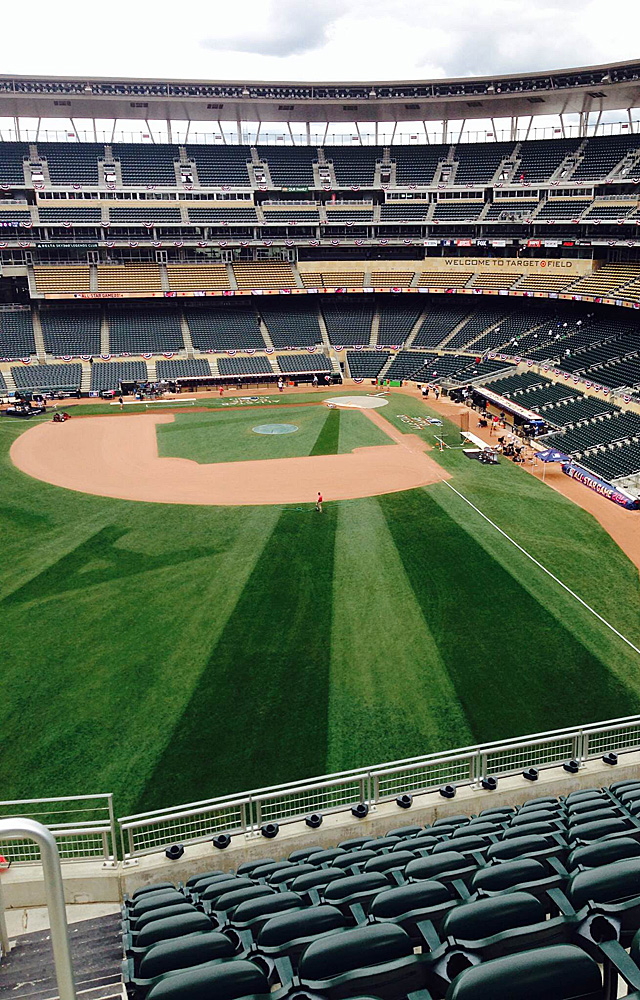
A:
545	570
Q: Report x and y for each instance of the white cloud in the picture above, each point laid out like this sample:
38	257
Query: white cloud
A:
334	40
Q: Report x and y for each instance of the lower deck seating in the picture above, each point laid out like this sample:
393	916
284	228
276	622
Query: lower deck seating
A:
293	323
348	322
141	331
47	376
366	364
16	334
539	899
74	331
229	326
397	319
107	375
245	365
294	363
170	368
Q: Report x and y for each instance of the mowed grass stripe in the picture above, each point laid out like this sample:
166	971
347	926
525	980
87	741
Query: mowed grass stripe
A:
515	668
259	714
390	694
327	440
103	649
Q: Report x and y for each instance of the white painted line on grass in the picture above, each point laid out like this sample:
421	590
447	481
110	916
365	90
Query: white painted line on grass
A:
544	569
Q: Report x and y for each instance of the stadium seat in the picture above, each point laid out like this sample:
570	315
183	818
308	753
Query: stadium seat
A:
557	972
222	980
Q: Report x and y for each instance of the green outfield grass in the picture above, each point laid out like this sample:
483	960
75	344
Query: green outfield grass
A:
228	435
169	653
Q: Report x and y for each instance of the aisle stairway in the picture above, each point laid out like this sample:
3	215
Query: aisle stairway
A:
96	951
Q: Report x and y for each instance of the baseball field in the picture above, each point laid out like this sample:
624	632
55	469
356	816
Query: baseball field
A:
170	651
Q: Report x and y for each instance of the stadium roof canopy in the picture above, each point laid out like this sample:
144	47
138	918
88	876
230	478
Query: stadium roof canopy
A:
593	89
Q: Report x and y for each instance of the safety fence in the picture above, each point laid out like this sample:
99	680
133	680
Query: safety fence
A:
83	826
198	821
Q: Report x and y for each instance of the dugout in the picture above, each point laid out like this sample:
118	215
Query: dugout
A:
531	423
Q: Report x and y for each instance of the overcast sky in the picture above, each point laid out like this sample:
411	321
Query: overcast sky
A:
311	40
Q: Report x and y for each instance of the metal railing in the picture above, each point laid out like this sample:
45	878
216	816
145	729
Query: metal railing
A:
198	821
45	844
83	826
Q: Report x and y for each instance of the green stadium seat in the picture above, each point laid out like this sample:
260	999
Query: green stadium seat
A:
603	852
156	887
389	862
222	980
224	905
285	937
174	955
377	958
442	867
201	876
160	913
247	867
304	852
557	972
154	900
405	832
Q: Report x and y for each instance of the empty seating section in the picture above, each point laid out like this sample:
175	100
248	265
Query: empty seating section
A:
366	364
417	164
539	159
293	324
453	278
300	363
129	278
352	214
192	277
570	411
480	319
12	157
107	375
71	214
144	213
391	279
16	333
144	331
170	368
218	165
224	327
397	320
290	166
563	208
495	279
602	154
605	279
503	210
614	463
478	162
457	211
308	216
438	324
219	215
343	279
48	376
15	214
404	212
71	278
354	166
72	162
545	282
538	901
270	274
348	323
142	164
606	211
312	279
245	365
68	331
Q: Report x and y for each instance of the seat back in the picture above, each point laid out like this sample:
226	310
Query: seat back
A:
182	953
557	972
224	981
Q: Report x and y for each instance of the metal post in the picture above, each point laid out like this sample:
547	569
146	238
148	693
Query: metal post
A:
445	129
4	933
308	131
18	829
239	131
169	131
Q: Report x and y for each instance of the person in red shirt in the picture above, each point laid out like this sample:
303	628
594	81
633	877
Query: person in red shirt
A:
319	503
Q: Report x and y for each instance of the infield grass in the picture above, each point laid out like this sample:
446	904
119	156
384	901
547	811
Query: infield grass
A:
169	653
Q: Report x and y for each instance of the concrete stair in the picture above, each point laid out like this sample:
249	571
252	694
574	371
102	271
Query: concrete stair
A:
104	334
37	335
375	324
186	336
85	381
8	377
414	329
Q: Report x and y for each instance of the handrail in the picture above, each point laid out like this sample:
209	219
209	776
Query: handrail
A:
194	822
19	827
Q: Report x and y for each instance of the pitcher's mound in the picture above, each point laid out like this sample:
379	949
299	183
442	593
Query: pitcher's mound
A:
358	402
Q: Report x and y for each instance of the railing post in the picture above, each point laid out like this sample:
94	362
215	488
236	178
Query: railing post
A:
13	829
112	826
374	784
4	934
